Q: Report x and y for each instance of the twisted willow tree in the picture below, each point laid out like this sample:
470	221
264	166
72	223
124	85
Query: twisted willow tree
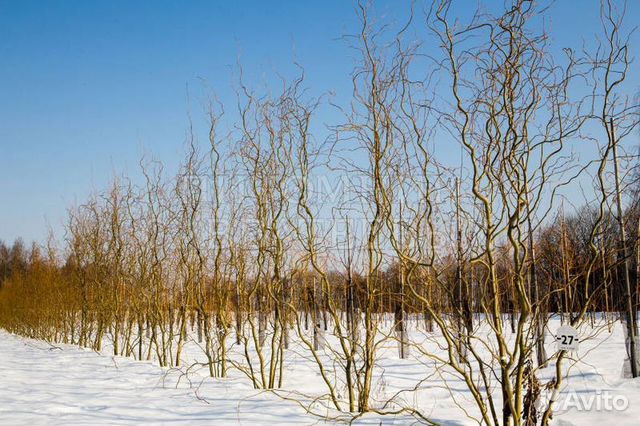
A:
458	259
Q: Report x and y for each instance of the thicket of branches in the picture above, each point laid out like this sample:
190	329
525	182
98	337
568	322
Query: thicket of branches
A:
243	251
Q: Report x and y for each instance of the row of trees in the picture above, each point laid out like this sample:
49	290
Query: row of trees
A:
245	254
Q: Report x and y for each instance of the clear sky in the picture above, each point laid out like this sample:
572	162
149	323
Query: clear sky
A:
86	87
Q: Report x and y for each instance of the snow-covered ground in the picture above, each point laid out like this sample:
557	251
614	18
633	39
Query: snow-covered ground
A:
44	384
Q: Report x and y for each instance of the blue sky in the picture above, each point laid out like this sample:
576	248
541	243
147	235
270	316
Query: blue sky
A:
86	87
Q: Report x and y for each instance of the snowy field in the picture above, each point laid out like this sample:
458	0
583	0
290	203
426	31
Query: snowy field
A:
45	384
64	385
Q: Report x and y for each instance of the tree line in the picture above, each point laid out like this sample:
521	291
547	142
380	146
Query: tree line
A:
234	251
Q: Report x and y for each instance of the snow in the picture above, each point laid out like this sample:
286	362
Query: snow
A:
66	385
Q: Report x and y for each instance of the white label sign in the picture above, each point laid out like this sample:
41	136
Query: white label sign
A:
567	338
